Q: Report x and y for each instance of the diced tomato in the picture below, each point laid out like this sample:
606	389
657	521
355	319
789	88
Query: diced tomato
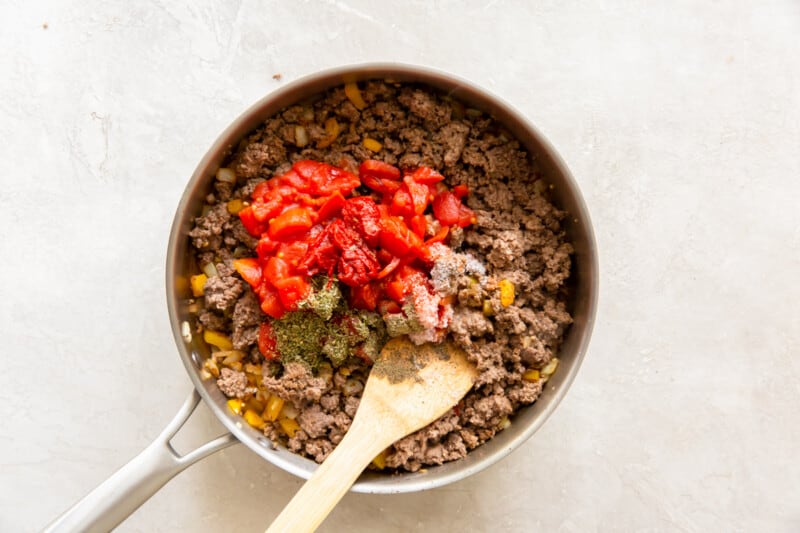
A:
419	194
291	222
253	226
439	236
321	256
266	342
381	186
419	225
357	265
326	179
292	252
365	296
294	180
270	303
466	216
276	269
362	215
396	290
249	269
402	203
378	169
460	191
426	175
291	290
266	246
262	189
397	238
389	268
446	208
267	209
332	207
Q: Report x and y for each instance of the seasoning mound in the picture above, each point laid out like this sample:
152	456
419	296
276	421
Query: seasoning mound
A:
491	276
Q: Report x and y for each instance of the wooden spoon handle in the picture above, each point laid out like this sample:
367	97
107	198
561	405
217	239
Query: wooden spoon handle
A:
332	479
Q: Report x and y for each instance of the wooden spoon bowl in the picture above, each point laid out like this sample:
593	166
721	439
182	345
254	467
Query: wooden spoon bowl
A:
408	388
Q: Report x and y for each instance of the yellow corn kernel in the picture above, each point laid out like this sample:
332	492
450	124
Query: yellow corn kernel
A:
531	375
372	145
353	94
331	133
198	282
254	405
550	368
235	205
274	406
235	405
380	460
488	310
289	426
217	339
254	419
506	292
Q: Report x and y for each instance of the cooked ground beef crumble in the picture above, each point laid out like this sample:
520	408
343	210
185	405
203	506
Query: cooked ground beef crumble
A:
518	237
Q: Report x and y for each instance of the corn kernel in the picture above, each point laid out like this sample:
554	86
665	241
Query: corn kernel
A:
217	339
289	426
380	460
372	145
353	94
506	292
235	405
198	283
254	419
531	375
235	205
274	406
488	310
550	368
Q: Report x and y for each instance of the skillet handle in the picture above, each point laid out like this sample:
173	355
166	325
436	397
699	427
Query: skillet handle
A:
129	487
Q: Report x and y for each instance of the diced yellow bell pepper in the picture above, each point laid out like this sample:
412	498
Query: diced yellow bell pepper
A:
353	94
235	405
380	460
254	419
289	426
488	310
217	339
198	282
372	145
274	406
531	375
254	405
331	133
235	205
506	292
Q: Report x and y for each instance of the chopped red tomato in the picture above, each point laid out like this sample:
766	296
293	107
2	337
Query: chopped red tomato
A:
332	207
292	252
291	290
365	296
270	303
291	222
397	238
378	169
402	203
253	226
326	179
446	208
266	342
249	269
419	225
419	194
362	215
426	175
275	269
460	191
382	186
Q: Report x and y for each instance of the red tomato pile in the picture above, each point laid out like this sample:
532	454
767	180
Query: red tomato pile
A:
374	244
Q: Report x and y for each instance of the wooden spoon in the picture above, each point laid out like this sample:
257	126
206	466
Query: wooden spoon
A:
408	388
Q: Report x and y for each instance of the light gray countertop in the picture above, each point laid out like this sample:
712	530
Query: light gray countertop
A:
680	121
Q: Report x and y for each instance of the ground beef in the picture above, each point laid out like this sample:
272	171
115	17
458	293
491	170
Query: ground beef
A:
519	237
234	383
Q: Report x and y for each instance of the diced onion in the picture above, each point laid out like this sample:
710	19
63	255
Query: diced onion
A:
226	175
210	270
300	136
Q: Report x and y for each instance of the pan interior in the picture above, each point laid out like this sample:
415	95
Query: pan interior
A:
566	195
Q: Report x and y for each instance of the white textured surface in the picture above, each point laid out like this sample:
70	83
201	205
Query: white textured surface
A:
681	123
